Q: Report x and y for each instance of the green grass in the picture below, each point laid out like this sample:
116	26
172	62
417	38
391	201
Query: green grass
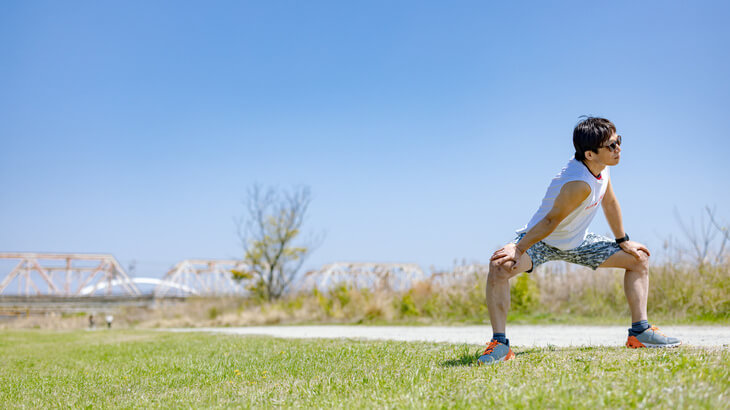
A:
41	369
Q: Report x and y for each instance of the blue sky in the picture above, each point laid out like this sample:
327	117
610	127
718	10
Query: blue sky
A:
427	131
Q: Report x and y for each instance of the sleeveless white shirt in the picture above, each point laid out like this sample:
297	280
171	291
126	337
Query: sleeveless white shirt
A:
572	230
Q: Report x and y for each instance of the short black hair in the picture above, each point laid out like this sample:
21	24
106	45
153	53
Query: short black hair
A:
590	135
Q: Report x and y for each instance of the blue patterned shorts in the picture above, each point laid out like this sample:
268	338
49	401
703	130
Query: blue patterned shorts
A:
594	250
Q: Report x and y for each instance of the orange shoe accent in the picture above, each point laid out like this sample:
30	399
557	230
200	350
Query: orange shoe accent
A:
634	343
510	355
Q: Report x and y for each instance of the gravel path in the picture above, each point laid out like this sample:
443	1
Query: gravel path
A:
519	335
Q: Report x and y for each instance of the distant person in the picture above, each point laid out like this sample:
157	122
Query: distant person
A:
109	320
559	231
91	321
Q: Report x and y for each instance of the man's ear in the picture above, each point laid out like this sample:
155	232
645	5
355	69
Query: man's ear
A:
589	155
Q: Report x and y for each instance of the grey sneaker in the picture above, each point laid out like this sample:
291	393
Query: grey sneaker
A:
652	337
495	352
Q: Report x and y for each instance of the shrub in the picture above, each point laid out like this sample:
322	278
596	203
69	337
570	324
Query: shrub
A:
406	306
213	313
524	294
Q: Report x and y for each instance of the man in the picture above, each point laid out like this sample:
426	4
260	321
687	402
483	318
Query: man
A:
559	231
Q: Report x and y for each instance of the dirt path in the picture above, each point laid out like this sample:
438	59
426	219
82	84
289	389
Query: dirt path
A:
522	335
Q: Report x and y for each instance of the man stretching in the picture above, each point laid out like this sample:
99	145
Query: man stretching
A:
559	231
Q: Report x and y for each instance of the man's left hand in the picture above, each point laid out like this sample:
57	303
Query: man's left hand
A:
633	248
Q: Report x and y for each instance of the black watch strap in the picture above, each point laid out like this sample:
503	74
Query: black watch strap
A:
624	239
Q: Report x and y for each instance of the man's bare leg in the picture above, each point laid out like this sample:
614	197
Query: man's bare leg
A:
636	280
498	299
498	349
636	287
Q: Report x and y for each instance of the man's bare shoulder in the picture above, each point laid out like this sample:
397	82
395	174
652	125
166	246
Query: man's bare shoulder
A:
571	195
576	189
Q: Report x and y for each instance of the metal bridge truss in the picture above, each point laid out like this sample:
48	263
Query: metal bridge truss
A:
377	276
65	275
204	277
73	275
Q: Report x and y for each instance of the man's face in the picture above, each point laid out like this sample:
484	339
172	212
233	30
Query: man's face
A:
610	152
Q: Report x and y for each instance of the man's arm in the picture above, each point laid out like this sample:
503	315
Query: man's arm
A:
612	210
571	195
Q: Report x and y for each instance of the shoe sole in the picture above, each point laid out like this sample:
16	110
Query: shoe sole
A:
654	346
660	346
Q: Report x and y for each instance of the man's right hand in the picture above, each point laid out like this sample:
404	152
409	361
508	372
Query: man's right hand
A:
508	256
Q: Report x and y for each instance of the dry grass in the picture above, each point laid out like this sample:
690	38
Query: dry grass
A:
679	293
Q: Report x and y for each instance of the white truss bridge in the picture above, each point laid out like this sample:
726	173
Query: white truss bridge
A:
392	276
86	275
94	275
68	275
388	276
204	277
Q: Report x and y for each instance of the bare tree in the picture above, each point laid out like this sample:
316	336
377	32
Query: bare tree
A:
268	234
703	242
724	231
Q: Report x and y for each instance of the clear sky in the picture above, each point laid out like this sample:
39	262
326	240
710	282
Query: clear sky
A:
428	131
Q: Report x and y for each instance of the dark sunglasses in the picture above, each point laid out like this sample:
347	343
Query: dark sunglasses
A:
612	146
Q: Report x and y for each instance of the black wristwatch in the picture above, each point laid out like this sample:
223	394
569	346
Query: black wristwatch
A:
624	239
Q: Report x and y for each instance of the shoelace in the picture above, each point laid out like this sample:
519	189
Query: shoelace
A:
656	329
490	347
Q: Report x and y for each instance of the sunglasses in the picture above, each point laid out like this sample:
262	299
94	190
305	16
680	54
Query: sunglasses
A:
612	146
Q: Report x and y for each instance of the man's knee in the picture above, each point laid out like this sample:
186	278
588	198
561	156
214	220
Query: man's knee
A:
642	262
498	273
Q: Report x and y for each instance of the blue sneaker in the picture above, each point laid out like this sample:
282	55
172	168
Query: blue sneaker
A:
652	337
496	352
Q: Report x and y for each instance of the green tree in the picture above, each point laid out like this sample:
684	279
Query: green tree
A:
271	236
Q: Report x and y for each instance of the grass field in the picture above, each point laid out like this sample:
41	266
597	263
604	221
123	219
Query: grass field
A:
41	369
